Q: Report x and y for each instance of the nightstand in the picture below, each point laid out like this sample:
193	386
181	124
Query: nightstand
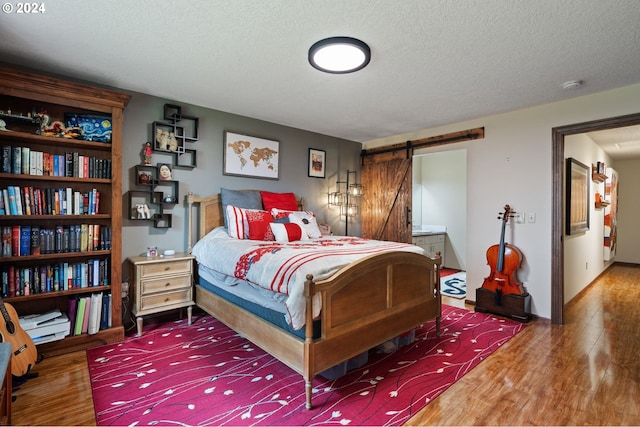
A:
161	284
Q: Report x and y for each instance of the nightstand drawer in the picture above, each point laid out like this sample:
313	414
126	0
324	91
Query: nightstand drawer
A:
151	302
166	267
163	284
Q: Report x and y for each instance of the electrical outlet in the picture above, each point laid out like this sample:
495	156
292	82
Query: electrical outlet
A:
519	217
531	217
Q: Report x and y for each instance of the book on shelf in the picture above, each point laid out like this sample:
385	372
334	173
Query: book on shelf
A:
25	240
15	240
106	310
95	313
35	240
87	313
27	201
13	207
72	308
80	309
24	162
6	241
16	155
18	200
6	159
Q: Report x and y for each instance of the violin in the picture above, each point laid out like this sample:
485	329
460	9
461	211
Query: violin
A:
504	260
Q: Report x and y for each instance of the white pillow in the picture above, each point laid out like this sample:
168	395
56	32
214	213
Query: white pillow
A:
307	222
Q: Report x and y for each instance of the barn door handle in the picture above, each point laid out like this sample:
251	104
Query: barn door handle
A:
408	215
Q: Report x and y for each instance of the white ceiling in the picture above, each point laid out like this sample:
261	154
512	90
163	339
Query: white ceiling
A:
433	61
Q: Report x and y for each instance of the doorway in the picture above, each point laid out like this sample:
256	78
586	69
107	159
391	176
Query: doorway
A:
439	199
557	242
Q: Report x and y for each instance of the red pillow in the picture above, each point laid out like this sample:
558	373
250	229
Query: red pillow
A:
259	225
285	201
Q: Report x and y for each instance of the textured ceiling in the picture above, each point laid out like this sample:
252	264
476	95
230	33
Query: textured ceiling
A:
433	61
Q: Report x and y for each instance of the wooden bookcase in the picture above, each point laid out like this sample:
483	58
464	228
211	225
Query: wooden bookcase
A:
22	95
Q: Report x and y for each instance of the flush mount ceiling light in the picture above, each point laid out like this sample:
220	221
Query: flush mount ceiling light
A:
339	55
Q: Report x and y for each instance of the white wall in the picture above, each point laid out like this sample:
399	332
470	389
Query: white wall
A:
443	199
584	252
512	164
628	211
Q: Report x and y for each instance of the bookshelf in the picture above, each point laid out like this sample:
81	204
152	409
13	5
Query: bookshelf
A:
70	155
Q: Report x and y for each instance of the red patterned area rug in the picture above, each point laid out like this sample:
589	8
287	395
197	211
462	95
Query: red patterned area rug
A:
205	374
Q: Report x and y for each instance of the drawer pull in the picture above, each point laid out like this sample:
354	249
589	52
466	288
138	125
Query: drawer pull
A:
166	300
167	284
167	268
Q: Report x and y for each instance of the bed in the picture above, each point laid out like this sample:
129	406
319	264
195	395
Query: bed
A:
402	290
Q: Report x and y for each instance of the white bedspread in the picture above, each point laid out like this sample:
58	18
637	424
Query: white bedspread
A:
283	267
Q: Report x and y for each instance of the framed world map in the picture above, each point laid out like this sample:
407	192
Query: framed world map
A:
251	156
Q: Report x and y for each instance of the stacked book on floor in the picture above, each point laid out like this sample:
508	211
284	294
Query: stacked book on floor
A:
86	315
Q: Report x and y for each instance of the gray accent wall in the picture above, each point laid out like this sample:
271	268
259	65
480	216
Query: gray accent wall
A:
207	178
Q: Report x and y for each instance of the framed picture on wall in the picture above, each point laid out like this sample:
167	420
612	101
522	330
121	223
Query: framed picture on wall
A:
317	163
251	156
577	197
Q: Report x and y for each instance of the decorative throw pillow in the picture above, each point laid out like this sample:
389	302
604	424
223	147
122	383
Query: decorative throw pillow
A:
259	225
249	199
238	225
286	201
289	232
308	223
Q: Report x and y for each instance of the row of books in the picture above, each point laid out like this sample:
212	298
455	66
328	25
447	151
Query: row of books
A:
24	240
25	161
90	314
16	200
61	276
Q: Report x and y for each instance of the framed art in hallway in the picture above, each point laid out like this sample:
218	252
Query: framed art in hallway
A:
317	163
577	197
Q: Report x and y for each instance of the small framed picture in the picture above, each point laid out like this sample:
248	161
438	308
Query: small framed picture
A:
164	172
317	163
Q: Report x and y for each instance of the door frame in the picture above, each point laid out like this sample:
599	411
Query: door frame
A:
557	231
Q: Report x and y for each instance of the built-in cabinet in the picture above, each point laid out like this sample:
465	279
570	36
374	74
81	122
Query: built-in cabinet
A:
69	182
432	244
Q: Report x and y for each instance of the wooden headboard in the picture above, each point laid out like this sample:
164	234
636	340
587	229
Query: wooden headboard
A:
210	215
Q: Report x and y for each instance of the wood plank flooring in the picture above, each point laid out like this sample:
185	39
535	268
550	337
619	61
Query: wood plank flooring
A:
586	372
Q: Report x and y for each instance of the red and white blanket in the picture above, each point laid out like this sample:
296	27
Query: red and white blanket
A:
283	267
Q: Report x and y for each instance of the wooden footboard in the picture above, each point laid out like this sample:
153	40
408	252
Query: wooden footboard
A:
363	305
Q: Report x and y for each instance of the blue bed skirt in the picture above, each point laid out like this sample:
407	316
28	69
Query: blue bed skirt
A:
274	317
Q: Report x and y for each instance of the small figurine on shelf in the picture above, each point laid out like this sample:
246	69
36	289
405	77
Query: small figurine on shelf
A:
147	212
173	142
146	153
142	211
144	178
139	211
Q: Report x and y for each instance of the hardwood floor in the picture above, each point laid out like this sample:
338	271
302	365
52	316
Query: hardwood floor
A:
586	372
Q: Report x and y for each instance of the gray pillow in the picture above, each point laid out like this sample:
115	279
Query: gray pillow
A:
249	199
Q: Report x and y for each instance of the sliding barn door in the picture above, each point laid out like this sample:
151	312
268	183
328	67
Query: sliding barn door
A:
386	205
